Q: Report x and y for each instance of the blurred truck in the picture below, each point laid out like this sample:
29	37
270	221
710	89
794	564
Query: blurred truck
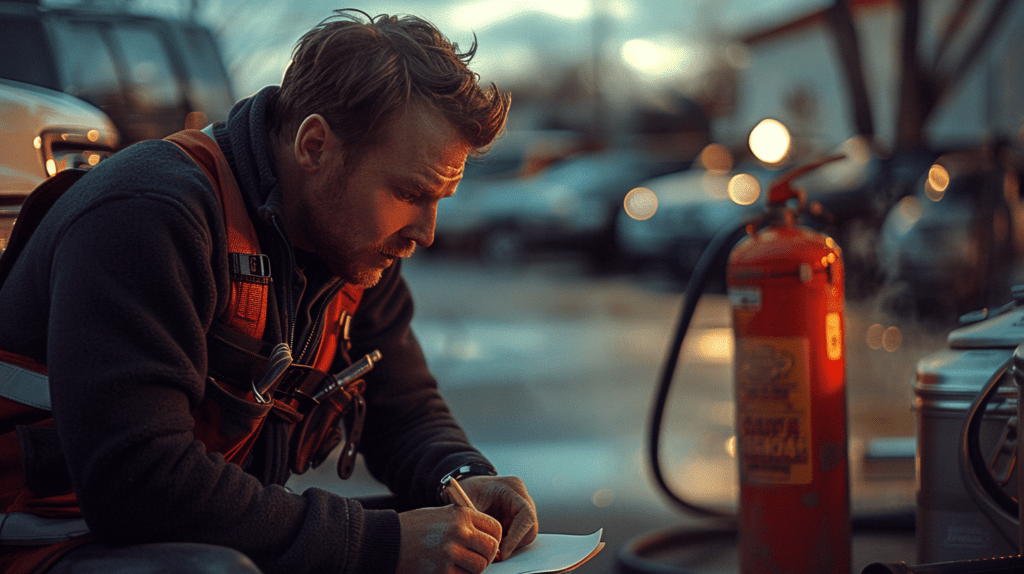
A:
151	75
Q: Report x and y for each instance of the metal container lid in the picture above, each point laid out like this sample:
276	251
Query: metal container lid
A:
950	379
1003	329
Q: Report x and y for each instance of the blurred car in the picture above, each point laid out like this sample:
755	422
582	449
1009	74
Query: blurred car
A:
44	132
692	206
151	75
515	154
948	248
570	206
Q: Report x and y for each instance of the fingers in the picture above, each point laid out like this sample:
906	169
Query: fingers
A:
479	534
521	532
446	539
523	526
505	498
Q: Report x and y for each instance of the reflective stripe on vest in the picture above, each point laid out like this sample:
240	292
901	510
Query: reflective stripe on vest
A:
22	528
24	386
30	388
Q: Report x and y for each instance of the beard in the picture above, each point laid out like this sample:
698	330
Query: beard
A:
357	265
339	241
362	266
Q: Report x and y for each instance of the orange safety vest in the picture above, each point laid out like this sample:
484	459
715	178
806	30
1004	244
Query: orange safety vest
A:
45	527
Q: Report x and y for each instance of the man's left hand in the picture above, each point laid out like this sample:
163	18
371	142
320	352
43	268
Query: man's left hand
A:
505	498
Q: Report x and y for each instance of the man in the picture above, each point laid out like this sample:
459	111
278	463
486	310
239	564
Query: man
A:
121	288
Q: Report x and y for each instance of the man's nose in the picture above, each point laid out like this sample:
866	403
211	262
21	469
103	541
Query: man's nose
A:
422	229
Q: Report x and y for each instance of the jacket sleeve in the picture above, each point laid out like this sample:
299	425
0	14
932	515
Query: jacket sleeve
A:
410	439
133	291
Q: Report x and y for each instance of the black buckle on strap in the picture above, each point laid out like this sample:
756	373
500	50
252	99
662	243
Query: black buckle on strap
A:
251	267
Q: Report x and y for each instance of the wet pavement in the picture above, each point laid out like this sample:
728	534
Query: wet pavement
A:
552	372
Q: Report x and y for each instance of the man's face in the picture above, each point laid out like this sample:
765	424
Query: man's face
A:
358	218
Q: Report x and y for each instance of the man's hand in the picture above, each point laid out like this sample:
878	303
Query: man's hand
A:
447	540
505	498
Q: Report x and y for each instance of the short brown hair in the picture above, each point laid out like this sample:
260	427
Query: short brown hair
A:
358	71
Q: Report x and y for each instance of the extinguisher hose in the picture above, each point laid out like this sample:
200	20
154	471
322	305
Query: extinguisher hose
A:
721	244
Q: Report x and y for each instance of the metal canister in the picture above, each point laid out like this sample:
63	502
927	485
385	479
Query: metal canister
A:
951	525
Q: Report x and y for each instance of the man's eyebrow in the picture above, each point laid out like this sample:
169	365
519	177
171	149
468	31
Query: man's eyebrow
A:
434	186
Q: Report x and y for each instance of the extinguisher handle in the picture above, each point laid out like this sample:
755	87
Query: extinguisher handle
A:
781	190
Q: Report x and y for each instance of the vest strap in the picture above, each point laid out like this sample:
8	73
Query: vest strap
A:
246	310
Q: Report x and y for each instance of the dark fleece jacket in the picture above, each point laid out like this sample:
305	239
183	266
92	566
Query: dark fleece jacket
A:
115	293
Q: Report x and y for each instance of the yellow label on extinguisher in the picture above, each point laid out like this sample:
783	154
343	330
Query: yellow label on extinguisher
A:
833	336
773	405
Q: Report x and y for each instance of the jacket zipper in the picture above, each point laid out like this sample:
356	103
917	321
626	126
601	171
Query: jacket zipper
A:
293	305
292	309
316	323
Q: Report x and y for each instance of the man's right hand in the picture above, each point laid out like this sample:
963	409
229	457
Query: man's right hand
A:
447	540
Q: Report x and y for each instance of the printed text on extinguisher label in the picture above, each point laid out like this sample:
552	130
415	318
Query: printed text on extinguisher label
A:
773	410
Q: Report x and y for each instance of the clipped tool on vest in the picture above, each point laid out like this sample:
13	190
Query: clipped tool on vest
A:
353	372
280	360
344	379
335	405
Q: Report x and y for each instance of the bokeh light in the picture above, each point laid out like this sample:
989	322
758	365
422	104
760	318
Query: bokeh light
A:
938	181
640	203
874	336
716	158
716	345
910	210
604	497
892	338
770	141
744	189
857	149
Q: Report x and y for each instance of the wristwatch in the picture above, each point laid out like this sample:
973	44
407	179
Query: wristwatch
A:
464	471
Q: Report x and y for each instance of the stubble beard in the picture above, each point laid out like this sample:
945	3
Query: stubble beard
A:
352	263
341	252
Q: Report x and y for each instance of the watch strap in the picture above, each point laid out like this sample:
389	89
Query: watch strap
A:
464	471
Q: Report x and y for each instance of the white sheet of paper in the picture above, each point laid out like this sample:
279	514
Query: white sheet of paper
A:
548	553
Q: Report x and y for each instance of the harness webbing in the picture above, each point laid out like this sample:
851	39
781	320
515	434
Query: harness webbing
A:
250	273
25	381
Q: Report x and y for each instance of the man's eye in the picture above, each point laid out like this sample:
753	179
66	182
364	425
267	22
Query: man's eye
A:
408	195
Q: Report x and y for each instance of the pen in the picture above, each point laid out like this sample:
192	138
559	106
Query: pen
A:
459	497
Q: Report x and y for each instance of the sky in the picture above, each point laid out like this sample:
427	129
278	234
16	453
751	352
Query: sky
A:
516	37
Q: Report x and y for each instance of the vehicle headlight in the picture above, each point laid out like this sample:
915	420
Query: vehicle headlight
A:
73	147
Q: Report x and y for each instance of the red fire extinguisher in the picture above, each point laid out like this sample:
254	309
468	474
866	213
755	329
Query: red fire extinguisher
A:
785	285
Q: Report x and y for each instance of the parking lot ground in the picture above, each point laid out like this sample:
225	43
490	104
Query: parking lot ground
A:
552	372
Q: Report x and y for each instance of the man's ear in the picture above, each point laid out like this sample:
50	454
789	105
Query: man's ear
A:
311	141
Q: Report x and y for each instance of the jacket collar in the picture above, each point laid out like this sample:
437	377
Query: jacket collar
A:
249	153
